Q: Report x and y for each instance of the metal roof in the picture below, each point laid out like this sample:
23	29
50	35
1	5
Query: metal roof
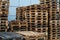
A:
9	35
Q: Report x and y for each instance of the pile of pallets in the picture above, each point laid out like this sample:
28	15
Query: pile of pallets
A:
53	14
20	13
35	15
55	29
4	6
23	26
14	26
18	26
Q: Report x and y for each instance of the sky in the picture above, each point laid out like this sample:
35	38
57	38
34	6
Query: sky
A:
18	3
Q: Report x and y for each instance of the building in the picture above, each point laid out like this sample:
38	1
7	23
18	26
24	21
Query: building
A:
10	36
17	25
30	35
4	9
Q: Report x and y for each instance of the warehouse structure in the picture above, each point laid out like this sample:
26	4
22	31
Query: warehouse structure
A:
4	9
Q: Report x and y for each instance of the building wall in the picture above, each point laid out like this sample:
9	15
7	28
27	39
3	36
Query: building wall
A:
4	9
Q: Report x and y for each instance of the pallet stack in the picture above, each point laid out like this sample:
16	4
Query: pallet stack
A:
23	25
53	14
52	8
55	29
30	16
4	9
17	25
42	19
14	26
36	17
20	13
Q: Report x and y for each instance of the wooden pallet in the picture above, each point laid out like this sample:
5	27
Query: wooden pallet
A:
4	15
54	27
34	15
18	26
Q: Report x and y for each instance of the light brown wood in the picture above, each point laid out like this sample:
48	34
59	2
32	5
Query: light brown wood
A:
30	35
17	25
4	6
